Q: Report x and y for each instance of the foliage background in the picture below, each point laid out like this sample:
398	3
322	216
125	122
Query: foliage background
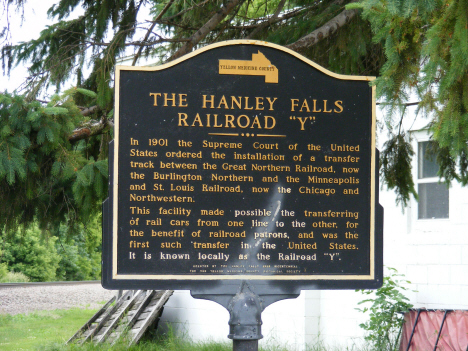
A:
48	258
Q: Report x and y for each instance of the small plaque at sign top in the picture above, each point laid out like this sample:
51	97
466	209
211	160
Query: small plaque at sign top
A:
242	161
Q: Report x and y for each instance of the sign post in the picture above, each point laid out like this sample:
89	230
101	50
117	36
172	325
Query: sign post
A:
245	173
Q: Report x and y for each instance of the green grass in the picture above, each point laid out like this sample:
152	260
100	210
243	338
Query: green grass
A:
143	346
172	343
30	331
49	330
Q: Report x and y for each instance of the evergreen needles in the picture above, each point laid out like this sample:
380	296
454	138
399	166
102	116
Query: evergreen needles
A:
43	176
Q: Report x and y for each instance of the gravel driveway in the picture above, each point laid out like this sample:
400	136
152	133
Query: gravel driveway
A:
25	300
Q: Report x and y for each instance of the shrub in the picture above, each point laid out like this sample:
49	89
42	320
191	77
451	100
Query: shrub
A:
3	270
81	254
61	254
14	277
386	312
28	253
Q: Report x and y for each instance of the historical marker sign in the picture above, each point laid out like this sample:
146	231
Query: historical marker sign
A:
243	161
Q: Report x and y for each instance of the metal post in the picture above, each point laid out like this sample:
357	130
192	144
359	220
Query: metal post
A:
245	345
245	320
245	309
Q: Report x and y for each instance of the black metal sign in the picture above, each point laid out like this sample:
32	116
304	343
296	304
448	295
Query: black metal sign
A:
243	161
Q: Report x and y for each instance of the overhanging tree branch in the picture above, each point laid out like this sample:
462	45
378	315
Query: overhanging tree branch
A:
268	22
262	21
405	104
206	28
150	30
91	128
88	128
185	11
324	31
89	110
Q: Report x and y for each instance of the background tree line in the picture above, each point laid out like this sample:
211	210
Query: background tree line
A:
53	148
29	255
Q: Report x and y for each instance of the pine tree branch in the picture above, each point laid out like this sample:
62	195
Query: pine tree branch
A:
269	21
91	128
184	11
140	43
262	21
206	28
324	31
405	104
6	33
226	23
89	110
178	25
150	30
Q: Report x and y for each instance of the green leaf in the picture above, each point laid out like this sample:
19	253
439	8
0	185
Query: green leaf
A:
87	92
6	131
56	167
55	111
384	320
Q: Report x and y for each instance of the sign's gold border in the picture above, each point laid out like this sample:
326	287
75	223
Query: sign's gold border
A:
118	69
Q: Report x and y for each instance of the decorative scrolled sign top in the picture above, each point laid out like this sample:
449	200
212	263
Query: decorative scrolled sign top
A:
243	161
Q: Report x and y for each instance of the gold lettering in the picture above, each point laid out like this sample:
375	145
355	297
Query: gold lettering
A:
211	101
246	106
256	122
216	125
230	121
197	119
182	100
223	102
259	103
166	99
183	119
273	121
216	212
271	102
315	107
325	107
239	123
302	120
305	105
338	104
237	102
155	95
294	103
